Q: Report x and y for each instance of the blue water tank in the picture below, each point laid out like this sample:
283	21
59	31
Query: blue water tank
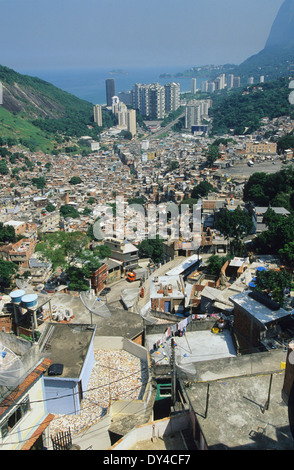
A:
17	295
29	300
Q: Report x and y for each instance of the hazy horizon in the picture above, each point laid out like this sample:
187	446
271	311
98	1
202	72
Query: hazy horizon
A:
110	34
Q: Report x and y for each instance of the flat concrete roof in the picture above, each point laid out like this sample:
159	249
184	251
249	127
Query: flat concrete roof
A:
259	311
68	344
173	281
235	418
193	347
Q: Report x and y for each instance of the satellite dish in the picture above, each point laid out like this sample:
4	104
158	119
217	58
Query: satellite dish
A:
94	304
24	285
11	368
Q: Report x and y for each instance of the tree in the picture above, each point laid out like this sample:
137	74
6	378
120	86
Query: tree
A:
7	271
77	279
286	142
278	239
215	264
91	200
103	251
201	190
7	233
126	135
62	248
50	208
274	283
39	182
212	154
75	180
69	211
172	165
234	224
151	248
3	168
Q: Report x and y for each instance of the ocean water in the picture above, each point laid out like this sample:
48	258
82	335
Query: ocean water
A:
89	84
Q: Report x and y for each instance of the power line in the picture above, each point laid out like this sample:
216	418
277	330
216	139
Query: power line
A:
74	414
83	391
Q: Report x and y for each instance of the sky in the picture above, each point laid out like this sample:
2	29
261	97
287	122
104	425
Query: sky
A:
53	34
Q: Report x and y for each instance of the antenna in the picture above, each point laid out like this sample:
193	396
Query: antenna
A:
94	304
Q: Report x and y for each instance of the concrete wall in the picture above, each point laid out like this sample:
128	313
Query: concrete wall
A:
160	428
98	438
127	407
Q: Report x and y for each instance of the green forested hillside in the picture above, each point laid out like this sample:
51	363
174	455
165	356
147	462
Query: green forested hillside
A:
36	111
245	109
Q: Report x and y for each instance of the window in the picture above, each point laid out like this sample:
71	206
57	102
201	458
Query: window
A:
15	417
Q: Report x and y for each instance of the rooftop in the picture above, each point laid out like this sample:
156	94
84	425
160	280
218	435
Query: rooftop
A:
261	313
242	423
192	347
67	344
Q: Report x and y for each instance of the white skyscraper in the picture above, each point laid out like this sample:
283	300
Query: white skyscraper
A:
122	112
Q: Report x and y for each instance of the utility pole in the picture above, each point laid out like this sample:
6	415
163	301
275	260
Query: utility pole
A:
173	372
266	406
207	401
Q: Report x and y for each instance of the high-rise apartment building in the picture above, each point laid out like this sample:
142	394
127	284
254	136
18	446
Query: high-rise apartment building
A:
204	86
156	101
110	90
172	97
193	85
230	81
98	115
122	115
192	115
237	82
131	121
195	111
149	100
140	98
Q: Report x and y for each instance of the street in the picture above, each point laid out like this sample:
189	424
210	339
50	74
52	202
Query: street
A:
242	170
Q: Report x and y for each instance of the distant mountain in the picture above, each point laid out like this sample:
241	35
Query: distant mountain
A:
37	98
277	57
282	31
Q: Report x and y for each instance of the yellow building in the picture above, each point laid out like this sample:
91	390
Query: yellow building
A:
261	148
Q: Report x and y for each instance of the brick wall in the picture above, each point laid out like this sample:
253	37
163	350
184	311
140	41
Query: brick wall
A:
246	329
5	323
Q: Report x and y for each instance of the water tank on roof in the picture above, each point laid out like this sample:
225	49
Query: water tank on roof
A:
17	295
29	300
